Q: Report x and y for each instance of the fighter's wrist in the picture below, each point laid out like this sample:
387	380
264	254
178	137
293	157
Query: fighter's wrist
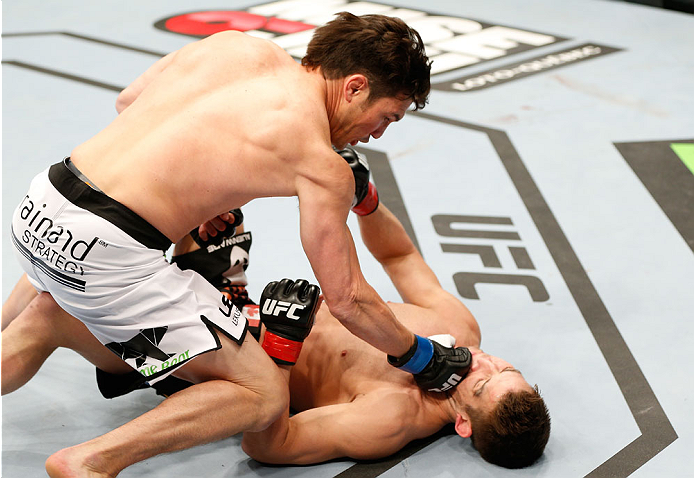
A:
416	358
280	349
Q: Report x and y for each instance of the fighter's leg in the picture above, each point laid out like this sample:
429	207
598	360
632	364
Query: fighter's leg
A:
240	389
218	268
19	298
37	331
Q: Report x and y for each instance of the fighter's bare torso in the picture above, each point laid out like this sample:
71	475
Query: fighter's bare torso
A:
337	367
215	129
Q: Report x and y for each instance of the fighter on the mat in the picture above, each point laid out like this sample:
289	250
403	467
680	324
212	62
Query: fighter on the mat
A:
350	403
338	379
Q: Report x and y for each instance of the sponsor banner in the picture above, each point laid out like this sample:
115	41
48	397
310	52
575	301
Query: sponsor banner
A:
452	42
529	67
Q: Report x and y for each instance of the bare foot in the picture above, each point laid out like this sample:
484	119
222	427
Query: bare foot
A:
72	463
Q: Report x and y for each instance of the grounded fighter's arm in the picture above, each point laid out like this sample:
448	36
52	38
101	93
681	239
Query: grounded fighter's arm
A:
330	249
372	426
386	239
132	91
388	242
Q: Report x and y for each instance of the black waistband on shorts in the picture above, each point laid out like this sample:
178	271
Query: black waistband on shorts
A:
82	195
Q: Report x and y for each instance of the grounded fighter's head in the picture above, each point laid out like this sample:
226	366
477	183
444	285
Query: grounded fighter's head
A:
505	417
515	432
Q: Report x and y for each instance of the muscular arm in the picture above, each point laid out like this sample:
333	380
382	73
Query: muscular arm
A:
372	426
132	91
330	249
387	240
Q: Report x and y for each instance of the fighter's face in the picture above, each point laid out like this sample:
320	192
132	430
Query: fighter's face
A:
489	379
370	119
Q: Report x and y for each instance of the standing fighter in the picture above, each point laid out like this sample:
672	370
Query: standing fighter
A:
207	129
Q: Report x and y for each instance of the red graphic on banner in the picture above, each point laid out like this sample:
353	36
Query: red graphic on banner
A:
208	23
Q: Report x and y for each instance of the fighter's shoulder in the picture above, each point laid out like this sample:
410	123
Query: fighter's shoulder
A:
235	42
323	165
231	36
446	315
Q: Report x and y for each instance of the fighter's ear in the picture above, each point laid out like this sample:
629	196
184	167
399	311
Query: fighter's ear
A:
356	85
462	425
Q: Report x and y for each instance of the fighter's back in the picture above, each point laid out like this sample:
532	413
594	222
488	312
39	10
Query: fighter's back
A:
210	132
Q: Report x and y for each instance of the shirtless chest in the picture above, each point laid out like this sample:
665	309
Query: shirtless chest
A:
337	367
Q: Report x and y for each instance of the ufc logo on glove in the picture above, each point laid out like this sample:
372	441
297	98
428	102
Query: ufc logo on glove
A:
276	307
285	331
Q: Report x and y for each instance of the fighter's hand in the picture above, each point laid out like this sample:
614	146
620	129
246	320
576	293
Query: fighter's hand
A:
287	309
365	194
217	228
435	367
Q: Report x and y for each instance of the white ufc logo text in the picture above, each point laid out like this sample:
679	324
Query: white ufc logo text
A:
275	307
452	381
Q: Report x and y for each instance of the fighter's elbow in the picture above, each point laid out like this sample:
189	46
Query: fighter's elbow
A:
264	450
125	98
344	308
120	105
255	448
476	332
472	326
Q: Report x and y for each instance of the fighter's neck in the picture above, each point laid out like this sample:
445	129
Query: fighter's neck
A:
333	90
442	405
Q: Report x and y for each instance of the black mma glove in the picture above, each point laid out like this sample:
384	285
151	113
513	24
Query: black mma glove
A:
365	194
221	235
435	367
287	309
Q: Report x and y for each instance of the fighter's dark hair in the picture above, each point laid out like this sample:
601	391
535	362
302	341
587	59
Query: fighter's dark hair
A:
384	49
515	433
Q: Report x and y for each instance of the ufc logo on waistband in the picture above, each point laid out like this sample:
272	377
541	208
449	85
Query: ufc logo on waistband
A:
452	381
275	307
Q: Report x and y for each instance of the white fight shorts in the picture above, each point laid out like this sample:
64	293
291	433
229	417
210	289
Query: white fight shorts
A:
105	265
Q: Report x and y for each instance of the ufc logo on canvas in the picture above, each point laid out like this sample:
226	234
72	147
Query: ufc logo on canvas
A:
275	307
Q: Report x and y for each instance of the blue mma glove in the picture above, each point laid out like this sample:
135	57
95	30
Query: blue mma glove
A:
435	367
